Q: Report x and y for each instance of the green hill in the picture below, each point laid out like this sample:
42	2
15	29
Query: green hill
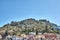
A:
28	25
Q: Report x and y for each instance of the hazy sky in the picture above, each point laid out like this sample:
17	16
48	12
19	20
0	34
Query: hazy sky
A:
15	10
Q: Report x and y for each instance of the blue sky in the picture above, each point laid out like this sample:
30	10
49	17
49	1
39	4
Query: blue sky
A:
16	10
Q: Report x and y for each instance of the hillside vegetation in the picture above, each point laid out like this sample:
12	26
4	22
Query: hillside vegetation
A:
30	25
